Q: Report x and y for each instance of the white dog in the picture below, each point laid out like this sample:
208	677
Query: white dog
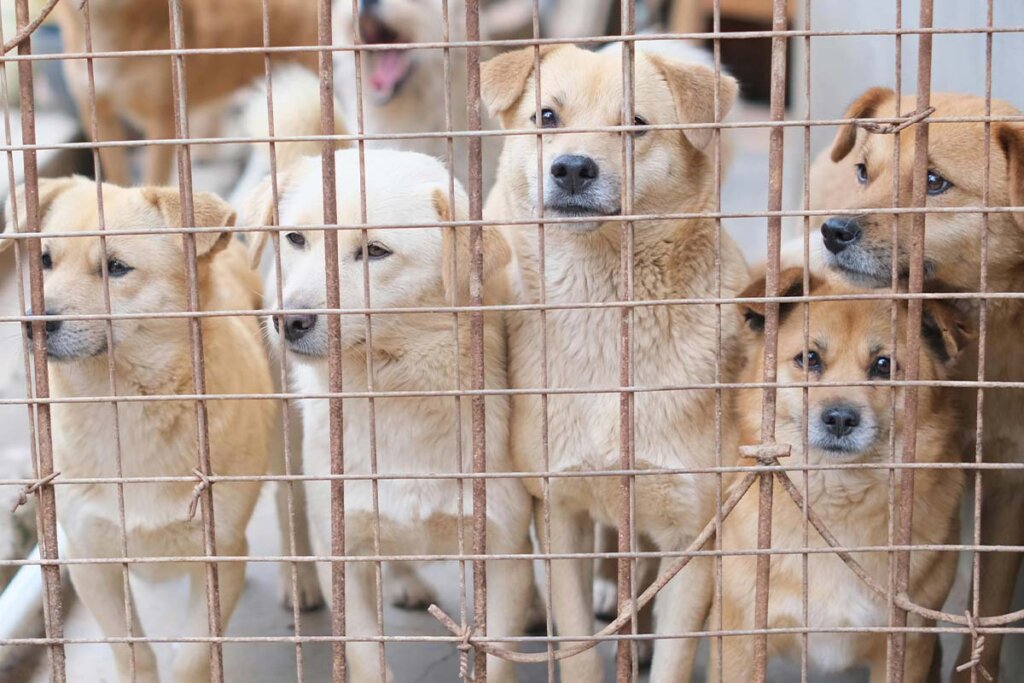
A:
408	352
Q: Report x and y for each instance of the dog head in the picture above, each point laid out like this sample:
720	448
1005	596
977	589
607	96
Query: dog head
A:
146	272
847	341
386	72
581	174
405	267
859	175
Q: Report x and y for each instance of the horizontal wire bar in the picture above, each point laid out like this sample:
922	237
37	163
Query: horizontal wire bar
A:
883	295
551	391
514	42
489	133
529	222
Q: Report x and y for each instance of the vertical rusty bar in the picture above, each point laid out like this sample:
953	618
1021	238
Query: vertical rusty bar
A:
897	640
771	332
46	515
624	648
184	159
805	393
129	619
979	441
334	378
475	189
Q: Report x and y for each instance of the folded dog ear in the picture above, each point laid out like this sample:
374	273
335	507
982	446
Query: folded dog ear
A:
791	283
496	250
209	211
49	190
1011	139
503	78
693	89
946	328
864	107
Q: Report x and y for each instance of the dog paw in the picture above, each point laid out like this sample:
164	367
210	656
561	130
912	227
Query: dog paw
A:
606	599
406	590
308	588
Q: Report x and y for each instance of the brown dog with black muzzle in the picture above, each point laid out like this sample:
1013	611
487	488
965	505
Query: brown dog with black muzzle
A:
845	425
858	175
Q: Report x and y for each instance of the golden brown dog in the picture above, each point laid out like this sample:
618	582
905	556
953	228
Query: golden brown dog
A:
580	180
149	357
858	175
848	341
139	90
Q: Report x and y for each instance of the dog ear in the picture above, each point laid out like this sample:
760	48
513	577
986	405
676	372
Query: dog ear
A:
503	78
496	250
1011	139
49	190
259	211
791	283
864	107
693	89
209	211
946	327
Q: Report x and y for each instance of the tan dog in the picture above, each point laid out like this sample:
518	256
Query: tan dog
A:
150	357
411	352
848	341
859	246
582	178
139	90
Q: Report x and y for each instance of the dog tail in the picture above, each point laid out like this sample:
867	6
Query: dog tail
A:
296	92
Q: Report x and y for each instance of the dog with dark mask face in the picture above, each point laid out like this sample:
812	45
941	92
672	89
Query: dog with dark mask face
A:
847	341
856	175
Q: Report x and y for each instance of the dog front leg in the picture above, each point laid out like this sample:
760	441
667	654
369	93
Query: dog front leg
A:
572	585
1001	514
919	659
192	664
115	162
681	607
158	160
735	654
363	658
100	587
307	588
508	603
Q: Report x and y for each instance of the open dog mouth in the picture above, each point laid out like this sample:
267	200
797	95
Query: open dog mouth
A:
389	70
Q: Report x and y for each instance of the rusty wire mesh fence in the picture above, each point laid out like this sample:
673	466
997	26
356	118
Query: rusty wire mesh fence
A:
731	480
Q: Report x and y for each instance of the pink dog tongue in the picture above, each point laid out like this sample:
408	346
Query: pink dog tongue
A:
389	69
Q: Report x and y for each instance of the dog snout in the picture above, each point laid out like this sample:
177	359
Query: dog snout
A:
574	173
840	420
840	232
50	327
297	326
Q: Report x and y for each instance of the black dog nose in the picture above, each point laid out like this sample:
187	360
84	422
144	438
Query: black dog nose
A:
50	326
840	420
574	173
840	232
298	326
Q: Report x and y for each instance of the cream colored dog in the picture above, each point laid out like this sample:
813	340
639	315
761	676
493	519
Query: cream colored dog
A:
409	352
150	357
582	180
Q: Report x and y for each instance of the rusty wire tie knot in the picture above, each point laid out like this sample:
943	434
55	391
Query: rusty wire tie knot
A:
977	648
464	647
907	120
197	491
34	487
767	453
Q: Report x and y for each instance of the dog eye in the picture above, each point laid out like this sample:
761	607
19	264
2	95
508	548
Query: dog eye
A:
813	361
862	173
548	118
639	121
937	184
374	250
117	268
46	261
881	368
296	238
